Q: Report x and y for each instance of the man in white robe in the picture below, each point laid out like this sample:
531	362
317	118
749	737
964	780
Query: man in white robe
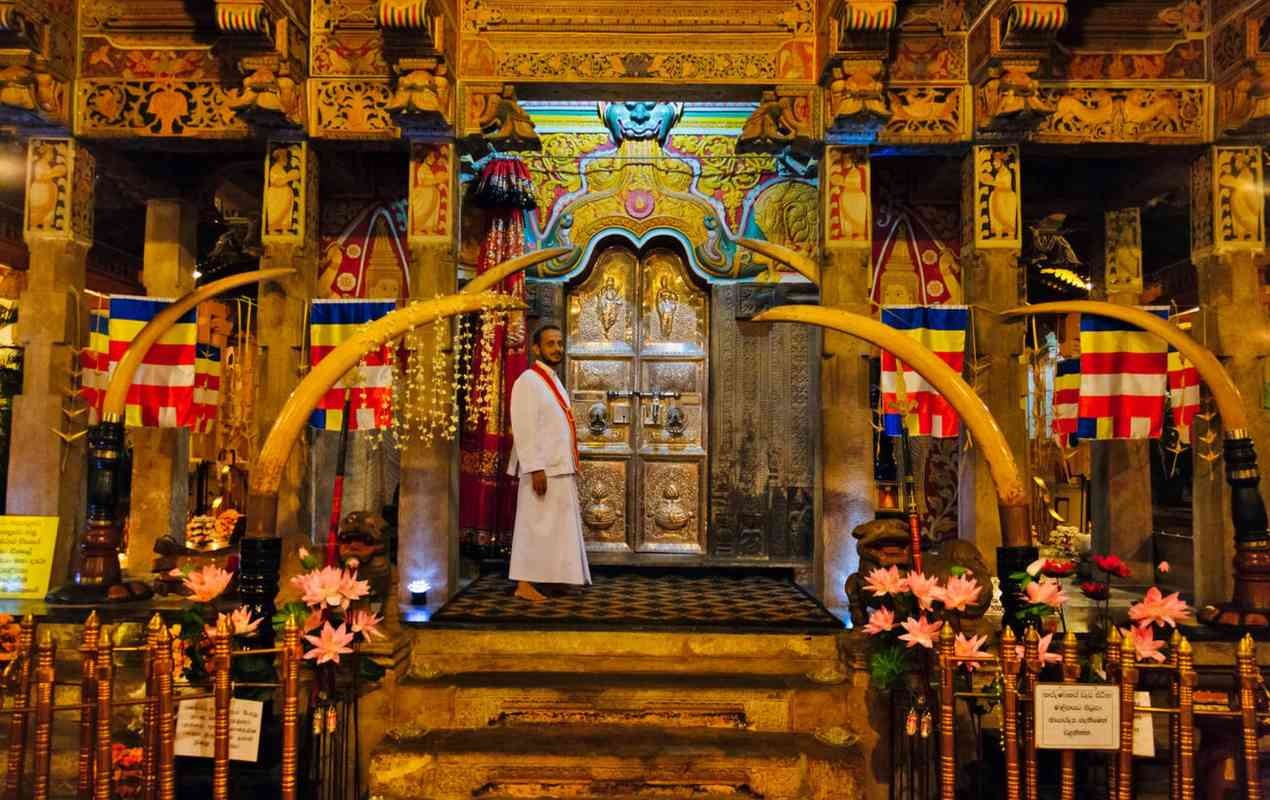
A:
547	543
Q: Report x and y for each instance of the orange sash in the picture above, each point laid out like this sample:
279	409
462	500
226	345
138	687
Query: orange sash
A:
545	374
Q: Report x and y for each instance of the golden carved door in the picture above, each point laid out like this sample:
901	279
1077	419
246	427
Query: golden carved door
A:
637	341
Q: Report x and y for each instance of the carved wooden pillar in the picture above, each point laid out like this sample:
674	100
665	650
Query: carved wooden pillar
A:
1006	50
427	544
46	469
991	241
1227	234
1120	469
160	456
846	432
288	233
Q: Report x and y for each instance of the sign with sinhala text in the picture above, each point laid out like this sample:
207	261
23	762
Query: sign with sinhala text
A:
26	555
1076	716
196	722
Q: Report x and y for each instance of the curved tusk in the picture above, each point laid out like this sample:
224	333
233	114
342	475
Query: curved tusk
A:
493	276
1225	394
1011	496
802	264
266	475
115	402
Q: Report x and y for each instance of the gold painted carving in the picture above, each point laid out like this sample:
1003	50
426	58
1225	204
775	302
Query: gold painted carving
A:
422	95
1242	64
494	114
156	108
780	121
28	88
678	17
290	181
352	108
243	17
34	64
857	97
848	222
431	204
1123	251
995	201
1202	215
59	191
1239	200
926	114
1125	115
270	95
1011	97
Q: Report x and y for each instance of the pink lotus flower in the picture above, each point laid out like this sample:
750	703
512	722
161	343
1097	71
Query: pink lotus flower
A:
367	624
330	644
1042	651
351	588
313	620
1156	608
1163	567
330	586
1048	592
926	589
207	583
886	581
240	622
1145	643
880	621
961	593
969	648
920	631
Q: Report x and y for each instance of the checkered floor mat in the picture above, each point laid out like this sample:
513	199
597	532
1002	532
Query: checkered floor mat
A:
632	600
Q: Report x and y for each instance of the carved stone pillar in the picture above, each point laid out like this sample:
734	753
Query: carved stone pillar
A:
1120	469
46	461
160	456
846	431
1227	234
427	538
289	236
991	242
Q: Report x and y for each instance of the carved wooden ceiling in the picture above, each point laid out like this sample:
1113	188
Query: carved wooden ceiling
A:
889	71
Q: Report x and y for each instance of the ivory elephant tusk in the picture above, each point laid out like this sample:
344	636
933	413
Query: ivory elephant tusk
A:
495	275
802	264
1011	496
266	475
115	402
1225	394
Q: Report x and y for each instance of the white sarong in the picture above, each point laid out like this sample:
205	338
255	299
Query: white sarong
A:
547	543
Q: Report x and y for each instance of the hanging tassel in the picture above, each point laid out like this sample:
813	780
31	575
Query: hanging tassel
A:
504	183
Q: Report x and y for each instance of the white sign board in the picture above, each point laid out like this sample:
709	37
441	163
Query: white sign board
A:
1076	716
196	722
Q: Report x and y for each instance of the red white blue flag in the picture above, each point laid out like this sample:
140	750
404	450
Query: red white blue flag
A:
1183	394
907	399
162	391
1123	378
1066	398
331	323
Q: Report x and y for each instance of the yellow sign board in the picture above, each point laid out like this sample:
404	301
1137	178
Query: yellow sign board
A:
26	555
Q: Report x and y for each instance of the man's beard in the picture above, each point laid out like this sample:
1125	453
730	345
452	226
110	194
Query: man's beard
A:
546	359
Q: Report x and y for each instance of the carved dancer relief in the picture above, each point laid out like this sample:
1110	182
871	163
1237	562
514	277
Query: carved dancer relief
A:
59	191
1240	199
1123	251
996	202
847	186
431	204
289	182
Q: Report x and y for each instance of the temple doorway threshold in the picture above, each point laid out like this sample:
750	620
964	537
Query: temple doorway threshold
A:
625	598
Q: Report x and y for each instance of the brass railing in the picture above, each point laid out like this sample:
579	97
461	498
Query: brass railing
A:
1018	679
32	668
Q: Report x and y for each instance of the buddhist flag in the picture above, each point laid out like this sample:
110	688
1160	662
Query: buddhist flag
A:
94	360
331	323
162	391
941	329
1123	377
206	387
1183	393
1066	398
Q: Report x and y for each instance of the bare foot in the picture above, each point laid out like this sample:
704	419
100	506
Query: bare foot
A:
526	591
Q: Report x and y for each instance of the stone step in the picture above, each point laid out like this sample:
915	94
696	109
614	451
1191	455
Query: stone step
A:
768	704
436	652
580	763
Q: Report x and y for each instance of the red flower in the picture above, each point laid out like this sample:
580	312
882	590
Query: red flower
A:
1095	590
1112	565
1058	569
